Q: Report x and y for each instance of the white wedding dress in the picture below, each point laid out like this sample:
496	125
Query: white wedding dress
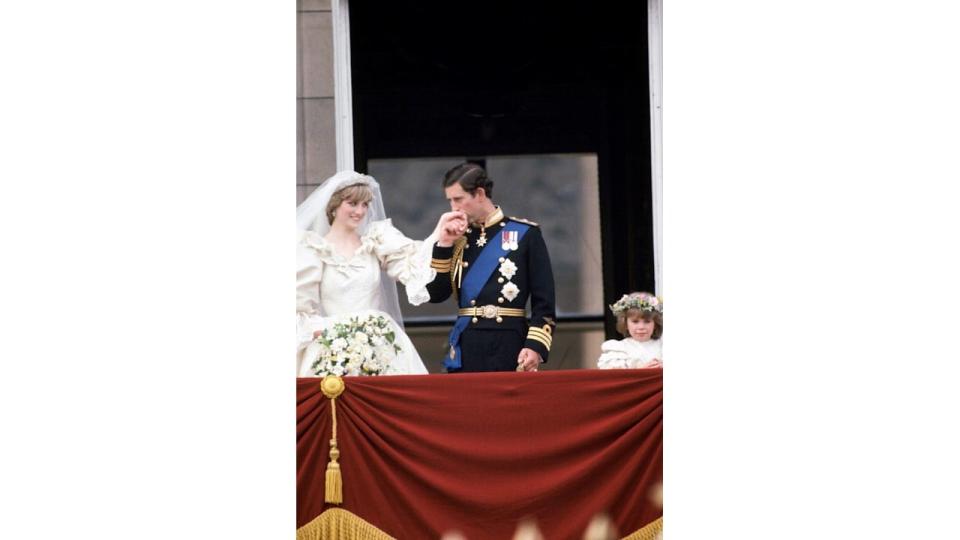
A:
331	287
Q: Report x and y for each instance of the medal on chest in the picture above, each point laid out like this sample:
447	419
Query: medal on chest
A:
482	241
509	240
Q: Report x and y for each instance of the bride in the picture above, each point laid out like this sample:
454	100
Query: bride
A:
348	257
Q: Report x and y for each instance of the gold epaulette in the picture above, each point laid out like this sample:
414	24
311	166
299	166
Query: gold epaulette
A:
527	221
456	268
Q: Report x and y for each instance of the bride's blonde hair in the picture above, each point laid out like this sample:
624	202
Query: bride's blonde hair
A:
357	193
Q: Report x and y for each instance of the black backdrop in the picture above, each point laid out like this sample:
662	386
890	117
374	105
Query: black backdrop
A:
505	78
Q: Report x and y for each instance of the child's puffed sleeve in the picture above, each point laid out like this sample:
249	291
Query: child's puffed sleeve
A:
613	355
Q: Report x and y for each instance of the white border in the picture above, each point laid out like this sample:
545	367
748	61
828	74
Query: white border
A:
342	80
655	52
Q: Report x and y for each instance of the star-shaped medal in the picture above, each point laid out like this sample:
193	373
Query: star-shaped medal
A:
482	241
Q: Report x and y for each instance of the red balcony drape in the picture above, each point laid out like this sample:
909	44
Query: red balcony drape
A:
425	454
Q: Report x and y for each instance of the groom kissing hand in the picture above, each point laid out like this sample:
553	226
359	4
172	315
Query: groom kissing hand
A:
493	264
452	226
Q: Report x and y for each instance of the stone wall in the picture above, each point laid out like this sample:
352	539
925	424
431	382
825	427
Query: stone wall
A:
316	142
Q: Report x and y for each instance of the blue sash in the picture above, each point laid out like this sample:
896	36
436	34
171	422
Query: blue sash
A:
473	282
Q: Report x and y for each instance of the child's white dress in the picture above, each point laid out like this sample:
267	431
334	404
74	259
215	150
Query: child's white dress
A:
629	353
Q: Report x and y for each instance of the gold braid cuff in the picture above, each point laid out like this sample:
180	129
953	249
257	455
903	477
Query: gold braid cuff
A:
538	334
332	387
442	266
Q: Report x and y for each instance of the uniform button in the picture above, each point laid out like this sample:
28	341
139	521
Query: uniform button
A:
499	319
475	320
499	300
501	259
499	280
473	302
465	264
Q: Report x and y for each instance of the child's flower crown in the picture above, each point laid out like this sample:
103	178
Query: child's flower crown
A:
643	302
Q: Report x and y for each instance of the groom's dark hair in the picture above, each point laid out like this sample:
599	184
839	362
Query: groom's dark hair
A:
470	176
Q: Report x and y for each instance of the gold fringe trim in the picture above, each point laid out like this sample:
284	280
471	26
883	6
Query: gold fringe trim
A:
333	492
336	524
650	531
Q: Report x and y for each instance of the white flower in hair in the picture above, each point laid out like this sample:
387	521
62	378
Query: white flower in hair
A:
641	302
508	269
510	290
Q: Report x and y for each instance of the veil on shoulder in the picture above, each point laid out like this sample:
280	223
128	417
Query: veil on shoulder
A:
312	216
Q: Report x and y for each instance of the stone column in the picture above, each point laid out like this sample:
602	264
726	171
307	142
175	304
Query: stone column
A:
316	141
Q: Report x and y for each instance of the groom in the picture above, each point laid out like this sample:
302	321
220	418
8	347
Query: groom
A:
493	264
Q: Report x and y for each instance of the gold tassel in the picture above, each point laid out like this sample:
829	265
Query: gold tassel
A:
332	387
334	491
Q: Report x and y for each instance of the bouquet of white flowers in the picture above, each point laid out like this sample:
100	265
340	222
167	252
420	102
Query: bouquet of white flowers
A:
354	346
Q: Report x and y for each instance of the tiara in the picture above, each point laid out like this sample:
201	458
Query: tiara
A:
644	302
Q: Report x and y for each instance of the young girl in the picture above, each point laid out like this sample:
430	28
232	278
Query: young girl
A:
640	320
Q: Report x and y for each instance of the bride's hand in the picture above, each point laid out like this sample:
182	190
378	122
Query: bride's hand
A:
451	226
455	220
456	223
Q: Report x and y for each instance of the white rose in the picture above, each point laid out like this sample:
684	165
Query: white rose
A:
338	344
360	337
372	366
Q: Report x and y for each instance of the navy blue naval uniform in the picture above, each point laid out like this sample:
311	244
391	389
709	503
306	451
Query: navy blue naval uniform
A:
498	328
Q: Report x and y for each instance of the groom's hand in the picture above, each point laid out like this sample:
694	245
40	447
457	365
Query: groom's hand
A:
528	360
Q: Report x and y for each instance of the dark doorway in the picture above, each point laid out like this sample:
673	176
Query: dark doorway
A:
463	79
